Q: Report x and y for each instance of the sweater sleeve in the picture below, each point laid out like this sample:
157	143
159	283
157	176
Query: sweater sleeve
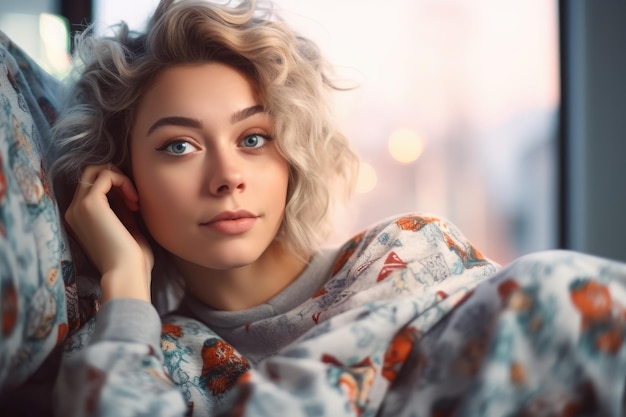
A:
389	287
120	370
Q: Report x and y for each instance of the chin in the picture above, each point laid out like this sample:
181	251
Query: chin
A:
225	256
225	261
225	265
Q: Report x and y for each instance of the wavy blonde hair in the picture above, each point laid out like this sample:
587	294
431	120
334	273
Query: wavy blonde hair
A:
113	73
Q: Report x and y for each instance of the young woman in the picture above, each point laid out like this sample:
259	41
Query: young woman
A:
202	153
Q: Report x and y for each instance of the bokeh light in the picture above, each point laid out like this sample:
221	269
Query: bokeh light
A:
367	178
54	37
405	145
44	37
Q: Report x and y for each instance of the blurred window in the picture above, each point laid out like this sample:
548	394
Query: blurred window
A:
455	114
38	31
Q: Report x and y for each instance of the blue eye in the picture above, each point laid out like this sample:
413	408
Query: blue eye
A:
253	141
178	147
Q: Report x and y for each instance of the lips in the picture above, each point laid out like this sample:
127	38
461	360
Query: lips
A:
232	223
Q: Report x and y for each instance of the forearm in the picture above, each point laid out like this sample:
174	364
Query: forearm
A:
120	372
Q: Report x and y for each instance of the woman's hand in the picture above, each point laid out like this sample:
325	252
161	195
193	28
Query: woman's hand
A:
102	218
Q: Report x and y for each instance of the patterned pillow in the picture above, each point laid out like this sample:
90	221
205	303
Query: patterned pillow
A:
35	266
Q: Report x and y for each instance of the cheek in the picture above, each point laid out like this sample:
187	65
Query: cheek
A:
162	192
164	213
279	176
162	200
158	185
276	181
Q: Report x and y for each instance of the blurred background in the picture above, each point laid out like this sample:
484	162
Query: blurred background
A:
462	109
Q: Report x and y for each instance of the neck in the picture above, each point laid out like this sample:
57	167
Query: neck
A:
247	286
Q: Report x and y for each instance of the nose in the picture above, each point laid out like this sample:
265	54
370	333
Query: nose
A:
225	173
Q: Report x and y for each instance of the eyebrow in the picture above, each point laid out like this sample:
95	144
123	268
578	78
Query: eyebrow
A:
197	124
175	121
245	113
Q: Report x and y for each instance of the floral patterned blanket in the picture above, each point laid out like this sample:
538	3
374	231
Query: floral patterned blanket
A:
543	336
34	259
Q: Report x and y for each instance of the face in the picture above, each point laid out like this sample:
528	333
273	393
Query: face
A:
212	185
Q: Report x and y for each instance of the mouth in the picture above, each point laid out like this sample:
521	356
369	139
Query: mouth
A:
231	215
232	222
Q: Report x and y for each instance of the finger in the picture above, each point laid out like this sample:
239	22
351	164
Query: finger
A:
91	172
108	179
103	183
129	192
87	178
128	189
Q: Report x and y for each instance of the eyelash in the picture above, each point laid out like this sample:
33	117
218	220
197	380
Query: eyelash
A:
263	134
163	148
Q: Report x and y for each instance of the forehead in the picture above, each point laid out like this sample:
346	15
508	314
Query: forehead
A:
187	86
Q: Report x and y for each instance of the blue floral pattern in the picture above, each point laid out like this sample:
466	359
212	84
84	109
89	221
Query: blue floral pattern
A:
414	321
34	257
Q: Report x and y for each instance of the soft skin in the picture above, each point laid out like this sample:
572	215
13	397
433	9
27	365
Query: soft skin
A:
202	149
208	182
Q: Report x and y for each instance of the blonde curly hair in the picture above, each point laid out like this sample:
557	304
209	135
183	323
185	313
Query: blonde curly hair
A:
293	80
